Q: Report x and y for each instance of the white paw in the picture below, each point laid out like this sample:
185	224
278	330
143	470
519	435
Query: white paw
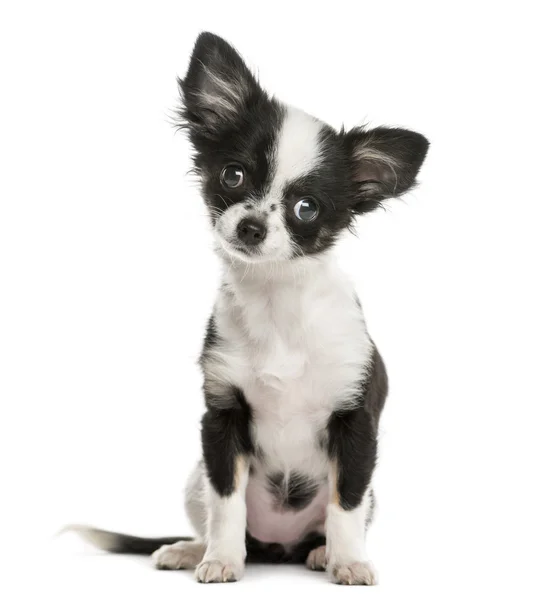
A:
182	555
357	573
316	561
215	571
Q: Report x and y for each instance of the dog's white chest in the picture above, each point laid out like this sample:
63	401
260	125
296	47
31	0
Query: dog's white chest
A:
298	351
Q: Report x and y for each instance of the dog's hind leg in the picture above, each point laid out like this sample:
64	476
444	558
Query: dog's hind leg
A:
182	555
188	554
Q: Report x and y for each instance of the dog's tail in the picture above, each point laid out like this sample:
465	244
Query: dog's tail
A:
120	543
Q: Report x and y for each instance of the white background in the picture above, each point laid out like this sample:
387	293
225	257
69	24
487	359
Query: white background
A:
107	278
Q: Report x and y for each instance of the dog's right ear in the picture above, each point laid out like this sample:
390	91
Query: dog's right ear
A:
216	88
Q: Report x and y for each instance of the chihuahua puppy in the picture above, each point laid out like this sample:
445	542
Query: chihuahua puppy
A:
293	384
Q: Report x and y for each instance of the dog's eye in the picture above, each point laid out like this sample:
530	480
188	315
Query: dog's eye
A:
306	209
232	176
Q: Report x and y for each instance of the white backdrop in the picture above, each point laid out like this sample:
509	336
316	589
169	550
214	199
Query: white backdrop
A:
107	278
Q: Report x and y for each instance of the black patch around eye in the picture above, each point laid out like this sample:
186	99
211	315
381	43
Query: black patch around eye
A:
329	185
248	142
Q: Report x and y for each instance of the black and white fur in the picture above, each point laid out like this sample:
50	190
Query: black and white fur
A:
293	384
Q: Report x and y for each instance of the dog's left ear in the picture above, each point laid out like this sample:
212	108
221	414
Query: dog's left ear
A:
217	87
384	162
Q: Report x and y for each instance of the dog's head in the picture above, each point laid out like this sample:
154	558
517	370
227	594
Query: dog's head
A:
278	182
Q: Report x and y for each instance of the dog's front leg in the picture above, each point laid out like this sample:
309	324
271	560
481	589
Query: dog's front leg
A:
226	447
352	440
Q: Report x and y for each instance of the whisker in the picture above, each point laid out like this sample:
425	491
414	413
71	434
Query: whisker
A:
222	199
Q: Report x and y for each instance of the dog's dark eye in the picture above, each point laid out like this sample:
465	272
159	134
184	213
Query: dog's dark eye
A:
232	176
306	209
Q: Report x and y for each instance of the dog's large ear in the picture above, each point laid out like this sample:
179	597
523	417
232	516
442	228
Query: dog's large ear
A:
384	162
216	88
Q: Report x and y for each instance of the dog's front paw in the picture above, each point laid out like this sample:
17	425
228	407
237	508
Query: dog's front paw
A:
356	573
316	561
182	555
216	571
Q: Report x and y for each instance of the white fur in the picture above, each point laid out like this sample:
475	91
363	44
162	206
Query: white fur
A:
106	540
181	555
297	150
225	95
276	246
346	533
316	561
225	537
346	553
294	340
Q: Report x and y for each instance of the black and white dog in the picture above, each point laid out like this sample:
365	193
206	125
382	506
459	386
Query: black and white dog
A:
293	384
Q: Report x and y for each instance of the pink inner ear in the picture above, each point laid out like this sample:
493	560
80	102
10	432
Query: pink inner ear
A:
367	171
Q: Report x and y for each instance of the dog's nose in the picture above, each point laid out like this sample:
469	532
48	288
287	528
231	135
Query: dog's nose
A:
251	232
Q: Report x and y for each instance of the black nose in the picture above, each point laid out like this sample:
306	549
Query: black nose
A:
251	232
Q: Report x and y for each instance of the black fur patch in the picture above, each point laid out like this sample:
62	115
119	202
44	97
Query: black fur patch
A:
352	434
329	186
121	543
260	552
245	134
211	338
294	492
225	435
372	509
385	163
